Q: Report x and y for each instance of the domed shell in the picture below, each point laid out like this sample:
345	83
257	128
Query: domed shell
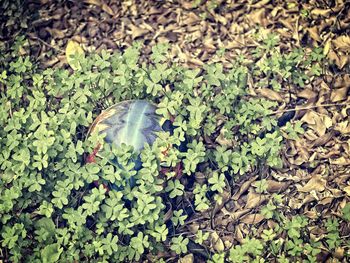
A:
133	122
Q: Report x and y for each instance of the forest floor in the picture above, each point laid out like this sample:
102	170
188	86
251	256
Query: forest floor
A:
315	180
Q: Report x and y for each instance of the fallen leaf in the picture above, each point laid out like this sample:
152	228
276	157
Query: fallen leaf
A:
316	183
252	219
56	33
217	243
244	187
327	47
342	43
321	12
339	60
107	9
72	49
347	190
275	186
93	2
186	259
270	94
340	161
137	31
307	94
339	94
314	34
343	127
260	3
254	200
322	140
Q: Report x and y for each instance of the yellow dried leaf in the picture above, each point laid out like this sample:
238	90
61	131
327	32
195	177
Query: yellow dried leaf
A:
327	47
73	48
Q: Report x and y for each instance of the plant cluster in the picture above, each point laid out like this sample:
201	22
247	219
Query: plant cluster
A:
50	207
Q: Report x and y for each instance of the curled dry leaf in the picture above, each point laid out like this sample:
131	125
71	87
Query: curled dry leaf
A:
316	183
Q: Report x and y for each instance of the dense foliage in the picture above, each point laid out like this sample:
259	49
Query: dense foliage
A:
51	210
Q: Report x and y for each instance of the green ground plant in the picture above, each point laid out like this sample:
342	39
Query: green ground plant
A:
50	208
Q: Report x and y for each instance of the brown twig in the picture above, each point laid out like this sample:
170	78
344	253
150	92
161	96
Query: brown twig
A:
46	44
310	107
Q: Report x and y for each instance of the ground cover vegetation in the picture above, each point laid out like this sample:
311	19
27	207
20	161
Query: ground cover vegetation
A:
204	192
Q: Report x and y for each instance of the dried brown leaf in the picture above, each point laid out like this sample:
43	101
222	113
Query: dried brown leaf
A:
245	186
321	12
342	43
275	186
107	9
316	183
340	161
347	190
252	219
314	34
307	94
186	259
93	2
339	94
254	200
270	94
217	242
261	3
137	31
343	127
